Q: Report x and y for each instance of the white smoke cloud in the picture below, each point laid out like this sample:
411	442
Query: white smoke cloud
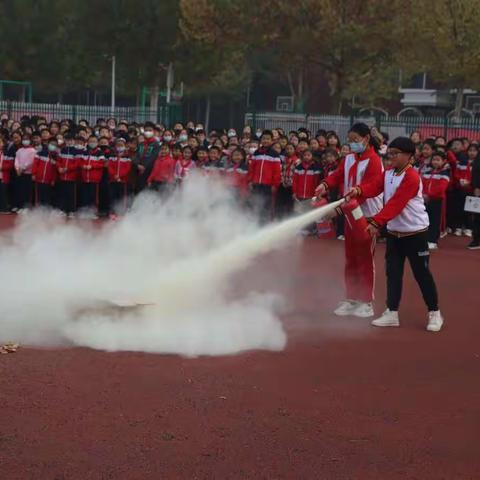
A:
178	257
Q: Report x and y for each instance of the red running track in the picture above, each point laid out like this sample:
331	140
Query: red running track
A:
343	401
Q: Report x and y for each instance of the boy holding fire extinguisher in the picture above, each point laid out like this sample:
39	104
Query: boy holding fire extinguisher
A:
405	216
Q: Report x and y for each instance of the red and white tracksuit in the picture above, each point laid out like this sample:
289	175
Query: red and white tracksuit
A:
236	177
6	166
306	178
404	212
359	250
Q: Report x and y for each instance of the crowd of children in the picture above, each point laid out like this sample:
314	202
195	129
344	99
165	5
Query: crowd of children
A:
94	170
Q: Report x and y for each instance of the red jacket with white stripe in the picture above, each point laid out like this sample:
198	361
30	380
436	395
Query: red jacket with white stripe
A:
119	167
236	176
435	182
44	168
404	209
265	168
91	165
463	175
355	169
306	179
6	166
69	160
163	170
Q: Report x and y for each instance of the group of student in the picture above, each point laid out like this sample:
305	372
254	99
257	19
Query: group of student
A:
93	170
450	172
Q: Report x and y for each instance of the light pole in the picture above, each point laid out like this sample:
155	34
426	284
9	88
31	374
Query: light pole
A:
113	86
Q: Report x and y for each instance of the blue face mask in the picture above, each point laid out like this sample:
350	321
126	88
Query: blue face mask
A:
357	147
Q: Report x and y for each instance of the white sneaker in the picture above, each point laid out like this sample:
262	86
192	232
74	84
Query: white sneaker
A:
363	310
435	321
341	238
458	232
346	307
388	319
467	232
443	234
432	246
449	231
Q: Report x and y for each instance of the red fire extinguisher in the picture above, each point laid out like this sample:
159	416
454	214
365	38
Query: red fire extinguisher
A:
356	220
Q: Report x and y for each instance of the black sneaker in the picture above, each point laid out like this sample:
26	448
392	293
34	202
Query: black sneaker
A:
474	245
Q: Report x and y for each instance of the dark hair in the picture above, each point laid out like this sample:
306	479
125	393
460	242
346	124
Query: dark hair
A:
214	147
440	153
307	150
267	132
242	151
429	142
360	128
331	151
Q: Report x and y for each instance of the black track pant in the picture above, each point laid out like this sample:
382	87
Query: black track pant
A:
476	227
89	193
4	204
434	209
261	200
415	248
24	190
67	196
43	194
118	198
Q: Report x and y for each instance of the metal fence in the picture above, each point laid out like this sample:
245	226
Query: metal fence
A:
394	126
51	111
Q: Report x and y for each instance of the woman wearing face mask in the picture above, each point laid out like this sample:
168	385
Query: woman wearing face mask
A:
363	165
183	138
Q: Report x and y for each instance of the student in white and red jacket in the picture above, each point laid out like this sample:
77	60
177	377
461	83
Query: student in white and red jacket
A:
435	180
265	176
119	168
44	173
6	167
362	165
405	216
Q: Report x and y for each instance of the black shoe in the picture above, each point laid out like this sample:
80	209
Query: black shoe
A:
474	245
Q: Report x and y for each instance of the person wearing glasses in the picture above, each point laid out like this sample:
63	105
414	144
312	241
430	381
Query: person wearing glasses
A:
406	218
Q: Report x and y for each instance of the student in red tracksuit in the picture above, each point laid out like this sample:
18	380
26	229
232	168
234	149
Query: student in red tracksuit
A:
119	168
44	173
306	177
435	180
330	164
236	174
67	166
162	178
265	176
463	181
362	165
284	200
92	163
406	219
6	167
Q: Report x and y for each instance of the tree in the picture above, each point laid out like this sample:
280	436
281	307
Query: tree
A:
447	46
